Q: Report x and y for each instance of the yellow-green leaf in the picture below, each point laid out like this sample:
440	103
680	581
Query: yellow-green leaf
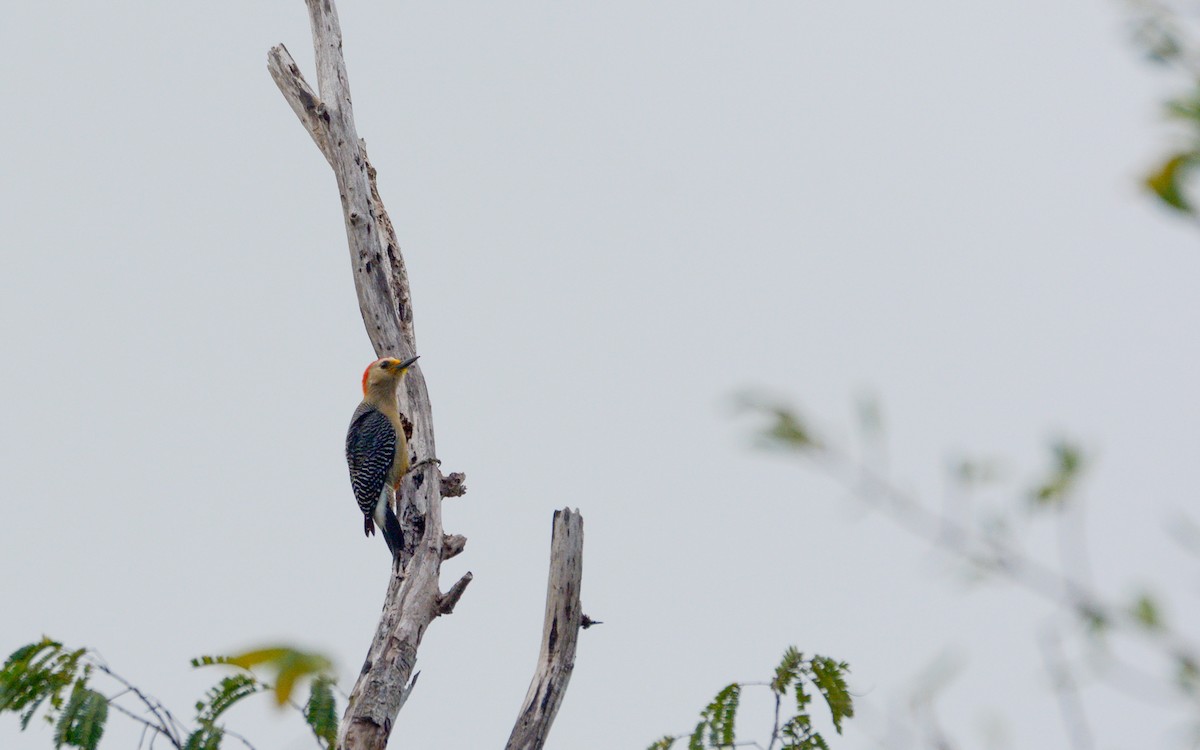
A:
255	658
289	665
1166	181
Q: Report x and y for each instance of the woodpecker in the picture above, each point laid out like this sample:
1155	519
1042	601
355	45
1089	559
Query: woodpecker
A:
376	448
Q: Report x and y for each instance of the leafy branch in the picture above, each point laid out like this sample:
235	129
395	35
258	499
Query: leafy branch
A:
46	676
1161	30
991	548
801	677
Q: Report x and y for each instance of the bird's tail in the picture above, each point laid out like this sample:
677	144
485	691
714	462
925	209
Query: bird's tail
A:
392	534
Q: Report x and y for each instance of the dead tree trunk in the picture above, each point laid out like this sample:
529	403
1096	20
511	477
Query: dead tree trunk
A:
414	598
560	631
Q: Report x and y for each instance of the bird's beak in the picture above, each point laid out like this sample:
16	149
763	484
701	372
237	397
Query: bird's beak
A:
408	362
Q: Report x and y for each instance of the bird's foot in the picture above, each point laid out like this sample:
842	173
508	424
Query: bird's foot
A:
422	464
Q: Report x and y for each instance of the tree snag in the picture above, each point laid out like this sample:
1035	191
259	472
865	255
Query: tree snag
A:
414	598
560	632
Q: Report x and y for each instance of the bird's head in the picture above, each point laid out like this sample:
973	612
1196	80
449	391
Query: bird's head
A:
386	371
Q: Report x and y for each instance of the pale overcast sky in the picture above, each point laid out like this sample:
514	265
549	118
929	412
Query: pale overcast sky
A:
615	215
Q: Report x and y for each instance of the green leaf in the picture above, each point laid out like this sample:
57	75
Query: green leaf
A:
724	718
321	711
798	734
207	737
788	670
26	653
1167	181
816	742
223	695
23	681
787	428
81	723
257	657
208	661
36	673
1146	611
830	678
289	665
802	699
1064	475
716	727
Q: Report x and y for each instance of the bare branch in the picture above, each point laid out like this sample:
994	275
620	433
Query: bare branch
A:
454	484
775	727
147	725
452	545
1070	705
167	725
305	102
450	598
564	616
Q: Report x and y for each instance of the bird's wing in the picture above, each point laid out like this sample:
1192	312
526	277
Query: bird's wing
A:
370	450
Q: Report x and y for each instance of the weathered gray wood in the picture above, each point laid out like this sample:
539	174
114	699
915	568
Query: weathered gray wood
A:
413	597
560	633
305	102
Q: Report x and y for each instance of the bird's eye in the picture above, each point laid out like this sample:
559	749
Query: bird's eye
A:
384	365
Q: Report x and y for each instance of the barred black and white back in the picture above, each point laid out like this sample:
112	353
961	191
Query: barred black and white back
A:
370	454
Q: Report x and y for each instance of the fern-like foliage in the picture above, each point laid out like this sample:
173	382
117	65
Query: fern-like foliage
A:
803	679
39	674
717	720
321	712
798	734
205	738
49	678
788	671
219	699
223	695
208	661
81	721
289	665
830	678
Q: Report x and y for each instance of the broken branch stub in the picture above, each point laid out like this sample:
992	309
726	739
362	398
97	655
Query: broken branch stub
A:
560	633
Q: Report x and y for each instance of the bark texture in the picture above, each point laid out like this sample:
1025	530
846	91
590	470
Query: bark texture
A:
560	633
413	598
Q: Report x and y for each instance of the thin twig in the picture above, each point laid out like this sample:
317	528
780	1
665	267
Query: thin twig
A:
1004	560
168	724
238	736
1070	706
775	728
146	724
